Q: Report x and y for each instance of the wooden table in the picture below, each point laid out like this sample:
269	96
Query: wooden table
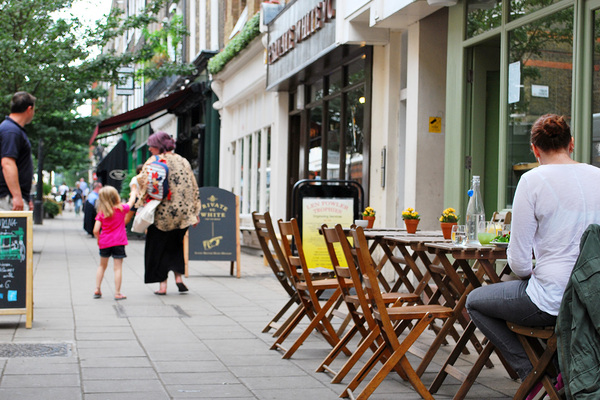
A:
483	268
384	239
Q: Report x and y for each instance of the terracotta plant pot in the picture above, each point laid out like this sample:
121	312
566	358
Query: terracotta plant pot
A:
447	229
371	221
411	225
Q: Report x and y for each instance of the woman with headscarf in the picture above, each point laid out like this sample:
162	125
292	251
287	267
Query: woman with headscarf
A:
175	213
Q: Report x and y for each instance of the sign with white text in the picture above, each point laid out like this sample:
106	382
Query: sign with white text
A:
217	235
16	264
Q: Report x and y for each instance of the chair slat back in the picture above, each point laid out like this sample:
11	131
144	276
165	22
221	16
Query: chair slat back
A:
355	275
286	231
503	217
278	263
372	284
342	273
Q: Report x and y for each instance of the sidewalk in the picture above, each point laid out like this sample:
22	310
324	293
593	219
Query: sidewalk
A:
206	344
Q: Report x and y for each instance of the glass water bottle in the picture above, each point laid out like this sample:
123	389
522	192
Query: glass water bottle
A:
475	211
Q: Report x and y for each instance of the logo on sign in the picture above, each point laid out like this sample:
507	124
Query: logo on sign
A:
212	243
117	174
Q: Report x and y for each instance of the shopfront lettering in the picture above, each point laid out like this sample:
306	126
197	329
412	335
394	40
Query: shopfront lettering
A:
306	26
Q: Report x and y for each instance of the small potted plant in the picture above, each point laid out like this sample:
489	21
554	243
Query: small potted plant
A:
447	219
411	219
369	215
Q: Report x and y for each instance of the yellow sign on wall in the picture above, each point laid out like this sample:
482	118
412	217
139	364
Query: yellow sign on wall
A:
319	211
435	125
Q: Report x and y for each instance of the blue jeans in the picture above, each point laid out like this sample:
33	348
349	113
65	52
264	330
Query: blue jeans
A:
77	205
492	305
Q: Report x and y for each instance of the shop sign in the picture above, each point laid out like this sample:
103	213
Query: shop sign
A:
303	33
307	26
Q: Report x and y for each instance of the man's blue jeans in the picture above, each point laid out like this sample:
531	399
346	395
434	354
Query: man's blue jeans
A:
492	305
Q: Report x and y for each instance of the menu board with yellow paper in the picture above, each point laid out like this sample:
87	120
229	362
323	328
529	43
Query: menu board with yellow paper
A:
317	211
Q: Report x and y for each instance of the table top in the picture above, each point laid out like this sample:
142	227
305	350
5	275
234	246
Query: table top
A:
414	239
397	232
469	250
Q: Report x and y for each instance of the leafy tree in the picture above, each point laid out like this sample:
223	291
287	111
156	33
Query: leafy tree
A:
53	58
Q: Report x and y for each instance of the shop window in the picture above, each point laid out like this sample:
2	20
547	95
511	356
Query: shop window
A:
520	8
482	16
316	91
253	166
327	133
333	138
336	81
315	154
356	71
355	134
540	82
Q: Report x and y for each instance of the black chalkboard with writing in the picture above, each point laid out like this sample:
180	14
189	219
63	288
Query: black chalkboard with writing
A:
214	238
13	262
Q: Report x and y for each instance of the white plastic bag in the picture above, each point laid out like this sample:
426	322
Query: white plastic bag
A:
144	217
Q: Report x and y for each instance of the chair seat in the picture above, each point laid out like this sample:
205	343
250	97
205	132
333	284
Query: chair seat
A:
418	311
536	332
389	298
322	284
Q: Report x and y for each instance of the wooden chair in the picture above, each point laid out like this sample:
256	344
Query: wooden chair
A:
278	263
421	316
308	292
541	358
503	217
350	283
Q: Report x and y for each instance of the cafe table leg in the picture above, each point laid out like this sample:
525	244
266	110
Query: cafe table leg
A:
461	292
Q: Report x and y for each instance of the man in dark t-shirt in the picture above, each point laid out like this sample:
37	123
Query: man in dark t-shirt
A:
16	173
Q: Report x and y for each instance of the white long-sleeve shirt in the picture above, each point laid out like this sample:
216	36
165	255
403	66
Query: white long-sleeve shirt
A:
552	207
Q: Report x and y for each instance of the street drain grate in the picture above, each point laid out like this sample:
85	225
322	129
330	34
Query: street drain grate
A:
16	350
165	311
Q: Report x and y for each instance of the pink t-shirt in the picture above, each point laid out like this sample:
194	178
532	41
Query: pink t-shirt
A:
113	229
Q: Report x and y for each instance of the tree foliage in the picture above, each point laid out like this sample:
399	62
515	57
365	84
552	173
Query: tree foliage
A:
53	57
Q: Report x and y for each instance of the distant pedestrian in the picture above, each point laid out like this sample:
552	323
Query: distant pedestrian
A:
77	198
89	209
62	192
109	229
84	188
16	173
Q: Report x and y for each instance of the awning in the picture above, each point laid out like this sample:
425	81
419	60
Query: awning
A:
169	103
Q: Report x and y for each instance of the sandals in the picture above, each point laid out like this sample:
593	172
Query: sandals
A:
97	294
182	288
158	293
120	296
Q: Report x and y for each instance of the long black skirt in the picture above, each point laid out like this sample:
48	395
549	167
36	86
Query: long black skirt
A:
163	253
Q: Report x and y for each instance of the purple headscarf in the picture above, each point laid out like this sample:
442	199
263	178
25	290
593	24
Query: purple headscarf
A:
162	141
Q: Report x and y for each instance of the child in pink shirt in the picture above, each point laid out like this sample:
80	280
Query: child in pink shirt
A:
110	231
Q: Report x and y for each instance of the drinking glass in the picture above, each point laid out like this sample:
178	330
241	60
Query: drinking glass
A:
459	235
486	232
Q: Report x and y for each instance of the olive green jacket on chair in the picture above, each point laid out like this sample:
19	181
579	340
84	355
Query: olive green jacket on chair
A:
578	322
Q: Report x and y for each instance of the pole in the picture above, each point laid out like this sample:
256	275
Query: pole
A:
38	203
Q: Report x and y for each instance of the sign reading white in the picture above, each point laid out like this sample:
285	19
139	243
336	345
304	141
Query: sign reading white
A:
540	91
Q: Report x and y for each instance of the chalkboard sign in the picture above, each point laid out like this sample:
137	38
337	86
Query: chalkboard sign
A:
16	264
216	237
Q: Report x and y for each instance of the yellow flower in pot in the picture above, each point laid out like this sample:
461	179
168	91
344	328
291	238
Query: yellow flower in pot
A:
447	219
411	219
369	215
